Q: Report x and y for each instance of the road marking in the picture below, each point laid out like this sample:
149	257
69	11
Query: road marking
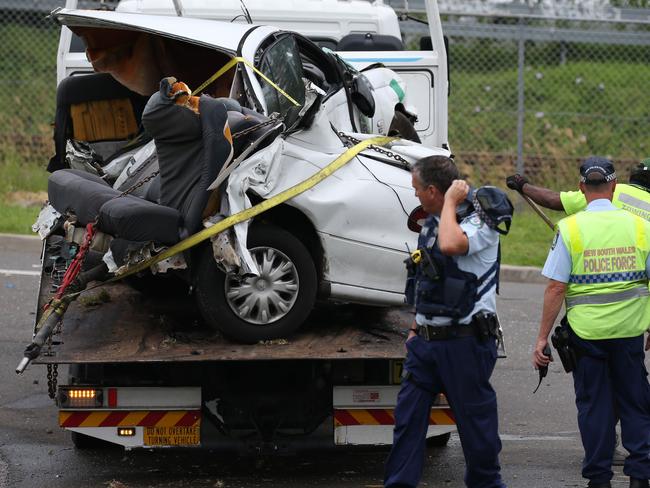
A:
514	437
19	272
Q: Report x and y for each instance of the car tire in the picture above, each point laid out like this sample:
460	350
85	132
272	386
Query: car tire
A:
439	440
284	293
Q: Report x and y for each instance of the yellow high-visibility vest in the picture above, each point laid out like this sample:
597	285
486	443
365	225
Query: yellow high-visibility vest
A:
632	199
628	197
607	294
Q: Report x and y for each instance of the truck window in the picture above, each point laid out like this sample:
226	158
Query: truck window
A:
281	64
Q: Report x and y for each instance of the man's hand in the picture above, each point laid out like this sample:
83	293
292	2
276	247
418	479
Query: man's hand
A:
539	358
516	182
457	192
647	342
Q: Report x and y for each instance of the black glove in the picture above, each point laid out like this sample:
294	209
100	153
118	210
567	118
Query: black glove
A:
516	182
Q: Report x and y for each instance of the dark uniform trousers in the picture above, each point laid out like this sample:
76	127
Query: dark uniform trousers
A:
460	368
611	376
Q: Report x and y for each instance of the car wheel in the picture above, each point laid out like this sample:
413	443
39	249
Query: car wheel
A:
270	306
439	440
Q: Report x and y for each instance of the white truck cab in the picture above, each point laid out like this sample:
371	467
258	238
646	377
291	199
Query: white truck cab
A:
362	33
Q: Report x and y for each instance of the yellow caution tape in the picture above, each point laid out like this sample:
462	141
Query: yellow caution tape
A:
263	206
232	63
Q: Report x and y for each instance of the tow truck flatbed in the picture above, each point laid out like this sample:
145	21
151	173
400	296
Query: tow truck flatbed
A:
137	328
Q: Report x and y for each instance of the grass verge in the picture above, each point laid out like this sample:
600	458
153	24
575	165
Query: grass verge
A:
529	239
15	219
22	192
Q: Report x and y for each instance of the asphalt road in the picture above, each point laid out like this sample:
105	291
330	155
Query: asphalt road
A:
541	445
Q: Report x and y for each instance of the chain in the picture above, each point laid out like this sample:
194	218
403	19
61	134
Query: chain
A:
378	149
52	379
273	119
139	184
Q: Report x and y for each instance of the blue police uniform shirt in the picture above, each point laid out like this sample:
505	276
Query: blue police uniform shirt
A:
481	255
558	262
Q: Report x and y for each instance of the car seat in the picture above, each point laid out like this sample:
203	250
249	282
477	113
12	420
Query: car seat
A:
192	148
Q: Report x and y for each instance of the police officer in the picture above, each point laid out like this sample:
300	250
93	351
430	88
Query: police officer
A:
599	266
634	197
451	346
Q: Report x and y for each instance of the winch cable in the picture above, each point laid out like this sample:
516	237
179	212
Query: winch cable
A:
54	314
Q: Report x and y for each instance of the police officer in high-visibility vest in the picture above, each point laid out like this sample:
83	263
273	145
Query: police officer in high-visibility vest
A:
451	346
598	267
633	197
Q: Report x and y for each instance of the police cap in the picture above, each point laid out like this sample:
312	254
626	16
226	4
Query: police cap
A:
596	170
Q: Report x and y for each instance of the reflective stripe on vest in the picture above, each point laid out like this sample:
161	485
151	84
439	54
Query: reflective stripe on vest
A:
633	199
639	291
607	294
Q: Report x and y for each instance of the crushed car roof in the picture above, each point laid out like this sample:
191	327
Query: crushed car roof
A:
210	33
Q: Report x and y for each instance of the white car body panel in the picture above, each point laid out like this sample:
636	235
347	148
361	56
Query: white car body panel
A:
352	210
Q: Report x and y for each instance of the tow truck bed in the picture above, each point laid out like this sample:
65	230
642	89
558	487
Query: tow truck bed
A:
136	328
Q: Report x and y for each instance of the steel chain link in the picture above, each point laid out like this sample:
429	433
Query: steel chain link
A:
52	379
385	152
273	119
139	184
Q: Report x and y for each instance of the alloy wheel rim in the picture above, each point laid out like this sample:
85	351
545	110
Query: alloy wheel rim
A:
266	298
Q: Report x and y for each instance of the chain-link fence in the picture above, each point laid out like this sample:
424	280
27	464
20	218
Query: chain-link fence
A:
28	46
28	43
527	94
537	96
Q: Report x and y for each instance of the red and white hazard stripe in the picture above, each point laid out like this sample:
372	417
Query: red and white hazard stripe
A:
385	416
121	418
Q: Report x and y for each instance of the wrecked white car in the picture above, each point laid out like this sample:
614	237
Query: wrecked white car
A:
187	122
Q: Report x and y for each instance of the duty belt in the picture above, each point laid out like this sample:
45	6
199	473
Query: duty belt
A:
445	332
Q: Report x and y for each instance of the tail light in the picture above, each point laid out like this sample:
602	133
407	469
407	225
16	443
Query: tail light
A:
416	219
73	397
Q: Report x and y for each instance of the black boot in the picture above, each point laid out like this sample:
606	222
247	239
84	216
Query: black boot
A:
606	484
637	483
